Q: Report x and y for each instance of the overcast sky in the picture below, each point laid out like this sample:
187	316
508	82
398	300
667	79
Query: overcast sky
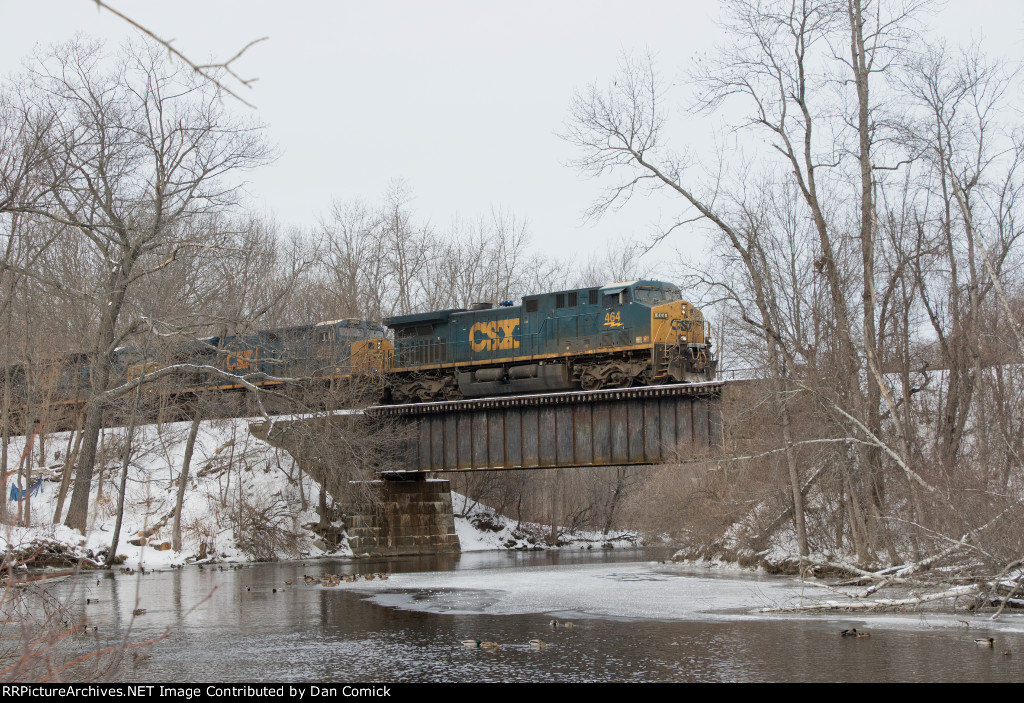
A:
463	100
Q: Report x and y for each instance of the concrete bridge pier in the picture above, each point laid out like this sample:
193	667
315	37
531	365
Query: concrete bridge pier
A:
408	514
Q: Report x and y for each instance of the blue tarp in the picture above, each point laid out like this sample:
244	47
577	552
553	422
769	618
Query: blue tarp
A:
17	494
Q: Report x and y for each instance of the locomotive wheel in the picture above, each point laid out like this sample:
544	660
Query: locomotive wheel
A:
590	382
453	393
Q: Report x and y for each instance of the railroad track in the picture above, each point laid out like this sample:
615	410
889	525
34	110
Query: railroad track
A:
675	390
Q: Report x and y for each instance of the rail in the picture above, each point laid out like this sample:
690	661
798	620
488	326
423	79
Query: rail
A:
709	388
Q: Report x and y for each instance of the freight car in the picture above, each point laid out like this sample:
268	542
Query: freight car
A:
622	334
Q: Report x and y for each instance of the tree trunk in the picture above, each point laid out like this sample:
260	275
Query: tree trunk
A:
6	419
324	512
78	510
69	468
553	535
125	461
858	530
620	480
794	474
25	475
190	444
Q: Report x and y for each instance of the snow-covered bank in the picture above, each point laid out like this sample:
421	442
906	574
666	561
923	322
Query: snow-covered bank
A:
245	501
480	528
234	482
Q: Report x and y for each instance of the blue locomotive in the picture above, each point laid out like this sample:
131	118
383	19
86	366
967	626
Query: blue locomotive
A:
326	351
622	334
321	353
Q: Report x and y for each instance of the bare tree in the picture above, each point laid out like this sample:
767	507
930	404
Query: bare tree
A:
133	153
808	76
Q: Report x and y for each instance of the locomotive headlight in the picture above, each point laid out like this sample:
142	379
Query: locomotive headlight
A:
682	338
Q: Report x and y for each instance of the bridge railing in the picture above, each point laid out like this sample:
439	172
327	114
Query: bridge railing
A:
747	374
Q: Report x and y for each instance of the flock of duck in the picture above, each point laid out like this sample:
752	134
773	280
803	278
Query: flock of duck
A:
852	632
989	642
482	644
327	580
534	644
129	571
331	580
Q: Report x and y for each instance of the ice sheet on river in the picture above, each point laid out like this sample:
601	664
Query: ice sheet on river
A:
627	590
635	591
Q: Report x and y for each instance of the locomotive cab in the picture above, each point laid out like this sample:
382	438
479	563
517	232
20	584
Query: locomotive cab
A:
652	318
680	337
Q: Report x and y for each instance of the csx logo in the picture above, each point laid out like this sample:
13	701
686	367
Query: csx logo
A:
493	335
240	361
682	325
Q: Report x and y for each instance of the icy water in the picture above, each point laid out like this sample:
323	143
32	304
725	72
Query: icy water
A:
634	620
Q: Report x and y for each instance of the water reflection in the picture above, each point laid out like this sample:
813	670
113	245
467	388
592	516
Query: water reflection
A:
231	625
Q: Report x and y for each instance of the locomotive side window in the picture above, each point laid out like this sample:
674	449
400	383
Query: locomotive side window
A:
619	298
531	305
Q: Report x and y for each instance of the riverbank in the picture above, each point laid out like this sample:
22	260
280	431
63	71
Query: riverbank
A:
245	501
634	619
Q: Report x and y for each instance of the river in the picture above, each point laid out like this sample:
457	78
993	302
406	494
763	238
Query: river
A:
633	619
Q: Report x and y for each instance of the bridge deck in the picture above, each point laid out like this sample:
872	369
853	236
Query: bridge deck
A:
614	427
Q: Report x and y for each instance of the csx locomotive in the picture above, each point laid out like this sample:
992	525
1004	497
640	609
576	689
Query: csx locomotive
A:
622	334
340	349
324	352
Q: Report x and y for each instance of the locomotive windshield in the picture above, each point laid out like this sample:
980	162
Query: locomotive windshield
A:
650	294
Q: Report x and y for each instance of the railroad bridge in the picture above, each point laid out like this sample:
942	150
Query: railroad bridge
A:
613	427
